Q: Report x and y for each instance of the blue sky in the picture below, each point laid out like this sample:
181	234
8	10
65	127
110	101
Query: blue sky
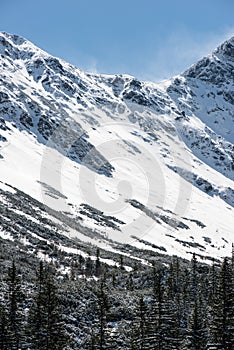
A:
151	39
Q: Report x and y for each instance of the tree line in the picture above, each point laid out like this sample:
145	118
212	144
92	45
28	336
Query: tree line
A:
174	306
40	326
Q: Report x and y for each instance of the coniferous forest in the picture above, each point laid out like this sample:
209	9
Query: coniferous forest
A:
177	305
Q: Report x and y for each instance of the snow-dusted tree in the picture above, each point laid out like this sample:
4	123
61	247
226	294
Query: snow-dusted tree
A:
98	264
221	316
194	278
139	326
46	327
15	314
99	339
196	333
3	327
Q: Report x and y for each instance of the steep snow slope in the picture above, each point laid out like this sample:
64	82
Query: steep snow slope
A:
206	91
134	162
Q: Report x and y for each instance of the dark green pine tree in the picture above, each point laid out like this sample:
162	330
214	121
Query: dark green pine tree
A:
154	324
176	300
163	326
102	311
172	279
89	267
15	314
227	305
121	263
185	299
231	300
212	282
46	328
169	328
196	332
194	278
221	318
98	264
81	265
37	315
214	316
3	327
139	327
174	303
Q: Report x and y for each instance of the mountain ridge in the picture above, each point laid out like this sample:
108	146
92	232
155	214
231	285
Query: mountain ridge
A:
150	158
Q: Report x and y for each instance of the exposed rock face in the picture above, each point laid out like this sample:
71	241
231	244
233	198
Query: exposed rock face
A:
92	121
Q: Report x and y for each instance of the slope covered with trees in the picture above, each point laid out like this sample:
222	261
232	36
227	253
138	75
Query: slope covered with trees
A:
174	306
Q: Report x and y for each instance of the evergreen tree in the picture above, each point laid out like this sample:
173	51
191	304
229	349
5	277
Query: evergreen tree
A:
98	264
227	305
196	332
213	282
103	306
46	326
221	322
81	266
3	328
89	267
15	315
194	278
121	263
37	317
139	327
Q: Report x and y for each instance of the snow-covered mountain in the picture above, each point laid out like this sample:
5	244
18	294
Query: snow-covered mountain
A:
114	161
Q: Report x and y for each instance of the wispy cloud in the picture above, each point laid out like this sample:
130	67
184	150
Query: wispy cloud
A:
91	66
81	60
179	51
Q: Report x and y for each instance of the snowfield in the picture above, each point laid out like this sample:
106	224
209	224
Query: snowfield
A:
150	165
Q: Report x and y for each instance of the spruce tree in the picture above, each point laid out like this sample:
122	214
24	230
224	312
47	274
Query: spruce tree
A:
37	316
227	305
102	310
47	331
3	327
139	327
221	318
194	278
98	264
196	339
89	267
15	315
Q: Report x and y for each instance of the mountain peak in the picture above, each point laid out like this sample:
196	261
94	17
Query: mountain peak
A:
112	130
216	68
17	47
16	39
226	49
